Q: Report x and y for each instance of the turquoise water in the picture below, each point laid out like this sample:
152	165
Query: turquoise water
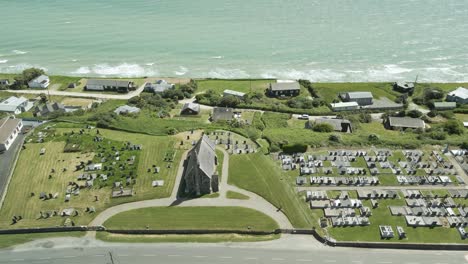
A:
321	40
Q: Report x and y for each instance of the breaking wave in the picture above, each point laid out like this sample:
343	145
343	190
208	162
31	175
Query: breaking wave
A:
123	70
3	61
19	52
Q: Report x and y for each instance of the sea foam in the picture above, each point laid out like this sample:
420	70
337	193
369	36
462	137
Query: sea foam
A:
19	52
3	61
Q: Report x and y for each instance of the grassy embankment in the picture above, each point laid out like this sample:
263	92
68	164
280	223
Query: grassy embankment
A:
236	195
213	238
17	239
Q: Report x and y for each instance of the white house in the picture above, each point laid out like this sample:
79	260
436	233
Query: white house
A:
15	105
42	81
9	130
237	94
344	106
459	95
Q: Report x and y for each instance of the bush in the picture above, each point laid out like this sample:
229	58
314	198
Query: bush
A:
322	127
295	148
257	122
365	118
373	137
335	138
454	127
172	131
438	135
414	113
229	101
464	145
432	113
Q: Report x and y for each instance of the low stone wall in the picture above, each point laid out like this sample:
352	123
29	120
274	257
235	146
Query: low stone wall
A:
50	229
190	232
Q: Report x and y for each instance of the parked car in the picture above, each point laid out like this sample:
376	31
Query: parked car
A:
304	116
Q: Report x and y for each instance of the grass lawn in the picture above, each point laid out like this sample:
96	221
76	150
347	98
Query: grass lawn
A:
213	238
446	87
244	86
17	239
382	216
258	173
32	170
236	195
73	101
219	167
212	218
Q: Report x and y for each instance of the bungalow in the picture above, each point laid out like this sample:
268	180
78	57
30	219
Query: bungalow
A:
346	106
339	125
200	175
460	95
362	98
284	88
109	85
444	105
159	86
237	94
4	82
126	109
41	81
9	130
404	87
48	108
15	105
224	114
403	123
190	109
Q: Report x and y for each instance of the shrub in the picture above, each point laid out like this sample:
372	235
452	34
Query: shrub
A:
453	127
322	127
438	135
414	113
229	101
432	113
373	137
335	138
294	148
365	118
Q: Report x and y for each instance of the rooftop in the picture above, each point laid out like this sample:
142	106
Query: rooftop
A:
232	92
445	104
406	122
356	95
222	113
460	92
7	125
12	103
104	82
192	106
126	109
344	104
336	123
205	150
285	86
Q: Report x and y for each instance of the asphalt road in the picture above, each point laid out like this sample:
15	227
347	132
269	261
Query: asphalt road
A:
263	252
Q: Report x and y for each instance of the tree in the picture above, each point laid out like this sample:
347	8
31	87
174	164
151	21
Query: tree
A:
453	127
335	138
32	73
43	97
322	127
229	101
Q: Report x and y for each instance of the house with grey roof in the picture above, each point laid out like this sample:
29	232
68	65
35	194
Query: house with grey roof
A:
339	125
284	88
237	94
362	98
41	81
48	108
159	86
190	109
9	131
397	123
200	176
224	114
404	87
126	109
109	85
15	105
459	95
444	105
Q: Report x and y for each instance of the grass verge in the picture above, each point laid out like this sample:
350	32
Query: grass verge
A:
236	195
16	239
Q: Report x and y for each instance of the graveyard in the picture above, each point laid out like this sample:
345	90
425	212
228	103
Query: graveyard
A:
67	174
406	216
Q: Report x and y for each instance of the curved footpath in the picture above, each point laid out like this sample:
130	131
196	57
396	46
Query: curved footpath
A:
255	202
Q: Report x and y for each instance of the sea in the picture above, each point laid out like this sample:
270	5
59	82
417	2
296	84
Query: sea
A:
319	40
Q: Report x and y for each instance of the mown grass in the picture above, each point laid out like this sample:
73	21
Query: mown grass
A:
17	239
194	218
236	195
219	167
330	91
245	86
259	174
213	238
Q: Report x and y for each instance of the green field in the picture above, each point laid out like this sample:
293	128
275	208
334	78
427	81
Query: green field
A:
17	239
32	170
382	216
214	238
219	167
259	174
236	195
330	91
245	86
180	218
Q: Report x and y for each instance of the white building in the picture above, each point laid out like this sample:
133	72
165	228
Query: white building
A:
15	105
39	82
460	95
346	106
9	130
237	94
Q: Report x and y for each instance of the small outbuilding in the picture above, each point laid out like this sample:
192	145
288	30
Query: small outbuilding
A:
284	88
190	109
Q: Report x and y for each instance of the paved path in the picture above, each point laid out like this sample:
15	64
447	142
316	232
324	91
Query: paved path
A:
96	95
255	202
288	249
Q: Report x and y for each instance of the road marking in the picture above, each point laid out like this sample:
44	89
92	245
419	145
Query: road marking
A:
199	256
122	255
330	260
385	262
173	255
99	255
69	256
356	261
44	258
251	258
304	260
226	257
276	259
17	260
149	255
